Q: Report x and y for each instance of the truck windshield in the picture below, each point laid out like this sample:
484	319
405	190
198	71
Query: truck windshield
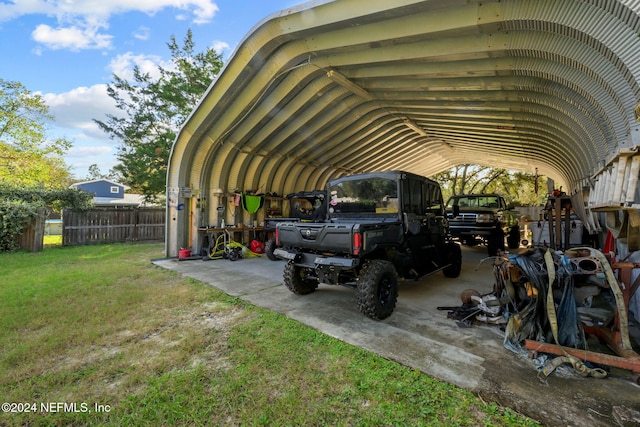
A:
474	202
370	196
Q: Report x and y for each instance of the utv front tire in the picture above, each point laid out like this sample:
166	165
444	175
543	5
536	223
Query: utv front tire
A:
299	280
377	290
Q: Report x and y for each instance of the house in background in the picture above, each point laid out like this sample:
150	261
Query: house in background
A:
109	193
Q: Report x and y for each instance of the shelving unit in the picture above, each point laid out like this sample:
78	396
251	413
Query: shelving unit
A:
273	206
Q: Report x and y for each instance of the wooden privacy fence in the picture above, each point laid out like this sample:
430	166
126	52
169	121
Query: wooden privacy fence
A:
32	237
112	224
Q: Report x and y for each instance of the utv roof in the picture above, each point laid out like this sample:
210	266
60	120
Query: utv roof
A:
393	174
475	195
307	194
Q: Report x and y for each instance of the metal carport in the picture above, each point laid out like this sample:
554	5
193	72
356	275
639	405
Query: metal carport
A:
330	88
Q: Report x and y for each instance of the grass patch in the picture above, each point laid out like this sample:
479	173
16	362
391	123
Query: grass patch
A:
100	325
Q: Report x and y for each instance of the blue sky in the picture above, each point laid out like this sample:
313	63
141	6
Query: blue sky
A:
68	50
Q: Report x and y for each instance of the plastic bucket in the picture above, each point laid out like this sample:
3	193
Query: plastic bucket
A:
184	253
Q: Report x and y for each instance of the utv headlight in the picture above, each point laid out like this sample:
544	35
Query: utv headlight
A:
484	218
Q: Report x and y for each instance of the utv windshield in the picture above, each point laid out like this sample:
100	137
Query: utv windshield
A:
365	197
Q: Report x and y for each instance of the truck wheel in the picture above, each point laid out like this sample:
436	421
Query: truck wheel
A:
269	247
454	257
472	241
377	289
298	280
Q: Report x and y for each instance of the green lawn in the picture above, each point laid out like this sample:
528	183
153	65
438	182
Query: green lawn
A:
97	335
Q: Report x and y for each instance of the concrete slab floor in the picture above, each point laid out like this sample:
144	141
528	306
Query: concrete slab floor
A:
420	336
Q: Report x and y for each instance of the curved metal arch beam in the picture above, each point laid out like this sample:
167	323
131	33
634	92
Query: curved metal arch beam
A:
337	129
574	56
535	99
225	123
291	94
418	52
496	67
495	16
282	132
522	143
386	149
365	132
600	31
258	151
567	129
298	146
534	113
509	82
350	57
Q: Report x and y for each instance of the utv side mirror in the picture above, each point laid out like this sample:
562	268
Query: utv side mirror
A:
456	210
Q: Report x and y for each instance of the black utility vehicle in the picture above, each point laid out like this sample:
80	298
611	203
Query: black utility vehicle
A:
482	219
379	226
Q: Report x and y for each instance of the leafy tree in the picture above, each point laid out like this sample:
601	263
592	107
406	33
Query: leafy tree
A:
154	109
27	156
518	187
20	205
94	173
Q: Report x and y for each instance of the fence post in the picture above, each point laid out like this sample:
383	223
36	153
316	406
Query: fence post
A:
134	234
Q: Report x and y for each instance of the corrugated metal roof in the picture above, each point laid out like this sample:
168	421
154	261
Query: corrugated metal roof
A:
336	87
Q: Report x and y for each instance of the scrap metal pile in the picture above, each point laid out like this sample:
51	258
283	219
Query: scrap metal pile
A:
551	302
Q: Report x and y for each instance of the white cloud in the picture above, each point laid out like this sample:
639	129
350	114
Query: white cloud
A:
201	11
75	110
74	114
142	33
122	65
73	38
81	22
220	46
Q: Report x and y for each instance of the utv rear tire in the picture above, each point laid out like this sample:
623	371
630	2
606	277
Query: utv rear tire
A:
377	289
454	257
269	247
298	279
